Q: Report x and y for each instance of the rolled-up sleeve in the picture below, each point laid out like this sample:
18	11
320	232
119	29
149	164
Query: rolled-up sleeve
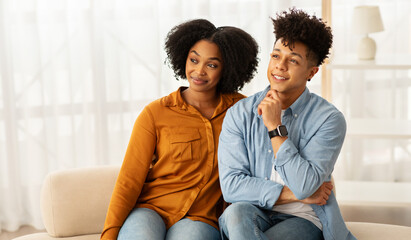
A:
303	170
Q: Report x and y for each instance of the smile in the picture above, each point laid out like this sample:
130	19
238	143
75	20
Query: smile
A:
279	78
198	80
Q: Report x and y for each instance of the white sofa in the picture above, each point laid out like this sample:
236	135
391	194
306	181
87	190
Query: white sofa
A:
74	204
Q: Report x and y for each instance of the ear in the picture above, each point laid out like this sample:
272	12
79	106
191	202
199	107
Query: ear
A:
312	72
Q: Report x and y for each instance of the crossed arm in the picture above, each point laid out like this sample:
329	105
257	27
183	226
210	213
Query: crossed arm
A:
270	110
320	197
243	176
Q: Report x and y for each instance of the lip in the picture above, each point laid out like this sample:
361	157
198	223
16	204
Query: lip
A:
198	81
279	78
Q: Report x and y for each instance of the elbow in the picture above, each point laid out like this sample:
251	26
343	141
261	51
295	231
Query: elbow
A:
226	185
227	198
303	192
226	193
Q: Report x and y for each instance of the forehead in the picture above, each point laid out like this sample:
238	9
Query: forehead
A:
299	48
206	49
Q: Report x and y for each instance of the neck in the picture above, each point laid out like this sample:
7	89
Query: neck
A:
288	99
201	99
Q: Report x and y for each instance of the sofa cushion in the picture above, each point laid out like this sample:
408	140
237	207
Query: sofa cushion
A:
377	231
45	236
363	231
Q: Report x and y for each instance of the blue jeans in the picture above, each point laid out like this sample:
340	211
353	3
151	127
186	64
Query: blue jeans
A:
246	221
144	223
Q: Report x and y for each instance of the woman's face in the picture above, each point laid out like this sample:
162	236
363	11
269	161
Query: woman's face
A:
204	66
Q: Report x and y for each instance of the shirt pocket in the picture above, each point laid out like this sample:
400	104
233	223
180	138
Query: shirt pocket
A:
185	145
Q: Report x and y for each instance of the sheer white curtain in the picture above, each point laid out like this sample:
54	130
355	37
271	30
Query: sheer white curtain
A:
74	74
382	95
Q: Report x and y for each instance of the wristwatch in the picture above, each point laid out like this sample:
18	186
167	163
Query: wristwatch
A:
281	131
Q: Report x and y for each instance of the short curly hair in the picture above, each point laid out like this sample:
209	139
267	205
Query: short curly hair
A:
238	50
298	26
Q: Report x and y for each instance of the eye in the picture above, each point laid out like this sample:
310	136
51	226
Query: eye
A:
294	61
193	60
275	56
212	65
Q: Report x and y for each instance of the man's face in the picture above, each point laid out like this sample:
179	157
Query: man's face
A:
289	69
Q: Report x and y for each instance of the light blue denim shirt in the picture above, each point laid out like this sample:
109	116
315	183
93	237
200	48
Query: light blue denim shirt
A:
316	131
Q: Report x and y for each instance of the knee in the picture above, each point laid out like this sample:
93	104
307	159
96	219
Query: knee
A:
239	211
239	221
139	214
142	223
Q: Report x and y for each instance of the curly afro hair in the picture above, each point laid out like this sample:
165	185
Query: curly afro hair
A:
238	50
298	26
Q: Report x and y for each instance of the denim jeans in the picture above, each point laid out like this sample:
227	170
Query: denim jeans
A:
246	221
144	223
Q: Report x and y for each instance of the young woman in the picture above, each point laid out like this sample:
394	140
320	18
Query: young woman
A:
177	195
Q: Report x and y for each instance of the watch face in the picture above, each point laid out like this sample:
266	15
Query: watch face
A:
283	130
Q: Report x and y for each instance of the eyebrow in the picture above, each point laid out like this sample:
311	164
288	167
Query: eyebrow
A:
213	58
292	53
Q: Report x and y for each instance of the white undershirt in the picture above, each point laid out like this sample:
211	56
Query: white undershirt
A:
298	209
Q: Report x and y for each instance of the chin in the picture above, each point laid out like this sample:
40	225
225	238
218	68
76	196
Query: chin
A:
274	87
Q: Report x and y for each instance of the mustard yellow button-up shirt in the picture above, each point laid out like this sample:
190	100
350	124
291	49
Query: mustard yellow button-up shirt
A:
183	181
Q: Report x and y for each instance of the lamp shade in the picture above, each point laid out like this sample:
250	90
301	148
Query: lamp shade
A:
367	19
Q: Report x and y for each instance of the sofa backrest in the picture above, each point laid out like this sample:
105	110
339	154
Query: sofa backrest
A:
74	202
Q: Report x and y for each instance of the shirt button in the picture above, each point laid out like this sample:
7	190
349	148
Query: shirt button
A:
295	115
269	151
266	178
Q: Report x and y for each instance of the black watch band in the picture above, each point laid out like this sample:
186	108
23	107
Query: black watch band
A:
280	131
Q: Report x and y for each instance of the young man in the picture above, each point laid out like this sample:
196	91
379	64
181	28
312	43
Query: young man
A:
278	148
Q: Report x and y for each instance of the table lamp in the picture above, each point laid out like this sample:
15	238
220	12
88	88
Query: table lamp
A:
367	19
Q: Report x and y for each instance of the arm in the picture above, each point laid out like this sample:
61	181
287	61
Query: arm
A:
320	196
304	169
237	179
132	174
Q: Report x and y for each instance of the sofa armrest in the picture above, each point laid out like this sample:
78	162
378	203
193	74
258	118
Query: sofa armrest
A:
74	202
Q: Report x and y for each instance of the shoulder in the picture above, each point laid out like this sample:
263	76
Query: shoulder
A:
244	112
323	106
153	107
237	97
231	98
158	105
247	105
324	111
172	99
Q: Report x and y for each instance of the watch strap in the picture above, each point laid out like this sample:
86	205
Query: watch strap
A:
281	131
273	133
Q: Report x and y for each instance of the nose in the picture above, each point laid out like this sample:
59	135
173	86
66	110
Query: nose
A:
281	65
200	70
